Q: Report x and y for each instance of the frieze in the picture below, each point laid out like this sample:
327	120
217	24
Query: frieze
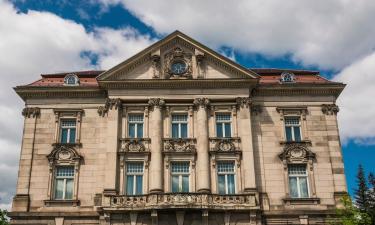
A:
330	109
31	112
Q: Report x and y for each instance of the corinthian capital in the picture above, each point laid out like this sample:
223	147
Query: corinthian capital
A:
201	102
110	103
31	112
243	102
331	109
156	102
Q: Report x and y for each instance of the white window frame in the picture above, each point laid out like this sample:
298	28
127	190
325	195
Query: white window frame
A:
134	174
136	125
299	126
223	122
65	178
179	124
226	177
69	129
298	176
180	174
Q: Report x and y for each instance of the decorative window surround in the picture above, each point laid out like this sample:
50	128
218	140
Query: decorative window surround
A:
136	158
170	158
236	158
61	114
298	111
299	153
63	155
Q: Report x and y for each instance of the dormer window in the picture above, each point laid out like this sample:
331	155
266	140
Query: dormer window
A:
287	77
71	80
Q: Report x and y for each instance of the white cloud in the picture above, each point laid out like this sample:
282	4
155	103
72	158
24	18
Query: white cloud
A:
357	108
40	42
330	34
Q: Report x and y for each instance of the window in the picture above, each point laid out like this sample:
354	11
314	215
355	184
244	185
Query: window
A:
180	176
298	181
293	128
64	182
223	125
225	175
135	125
134	178
71	80
179	126
68	131
287	77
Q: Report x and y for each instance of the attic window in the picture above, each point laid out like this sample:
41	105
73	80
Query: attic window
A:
71	80
287	77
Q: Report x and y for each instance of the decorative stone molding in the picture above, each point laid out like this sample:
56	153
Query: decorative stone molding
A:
156	102
225	145
201	102
185	200
243	102
297	152
155	60
133	144
178	54
63	153
199	56
109	104
180	145
330	109
292	110
28	112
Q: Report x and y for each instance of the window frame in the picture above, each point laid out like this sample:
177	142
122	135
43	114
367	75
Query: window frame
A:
293	127
298	176
134	174
180	175
234	173
64	178
136	125
179	125
69	130
222	123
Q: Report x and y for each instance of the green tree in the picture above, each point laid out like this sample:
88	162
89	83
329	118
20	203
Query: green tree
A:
371	197
3	217
350	215
361	193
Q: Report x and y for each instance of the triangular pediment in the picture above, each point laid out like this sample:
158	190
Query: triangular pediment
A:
177	56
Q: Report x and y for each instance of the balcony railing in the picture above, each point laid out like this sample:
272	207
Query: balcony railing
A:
227	144
184	200
179	145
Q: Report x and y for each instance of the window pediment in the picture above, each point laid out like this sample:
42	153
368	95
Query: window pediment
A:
64	153
296	153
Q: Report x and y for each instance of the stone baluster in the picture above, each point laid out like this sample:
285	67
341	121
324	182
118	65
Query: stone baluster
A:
203	164
156	135
245	133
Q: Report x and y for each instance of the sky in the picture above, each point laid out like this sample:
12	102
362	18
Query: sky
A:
336	37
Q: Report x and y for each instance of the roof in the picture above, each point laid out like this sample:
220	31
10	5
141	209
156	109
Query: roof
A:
86	79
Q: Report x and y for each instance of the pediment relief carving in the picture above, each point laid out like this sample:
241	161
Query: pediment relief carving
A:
64	153
297	153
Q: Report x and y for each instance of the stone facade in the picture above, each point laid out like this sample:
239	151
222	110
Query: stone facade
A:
204	87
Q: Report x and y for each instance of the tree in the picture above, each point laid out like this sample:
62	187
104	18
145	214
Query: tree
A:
371	197
361	194
350	215
3	217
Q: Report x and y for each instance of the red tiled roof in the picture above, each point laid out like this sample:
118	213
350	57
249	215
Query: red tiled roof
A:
86	79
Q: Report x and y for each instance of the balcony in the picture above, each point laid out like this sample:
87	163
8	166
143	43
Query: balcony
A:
225	145
184	201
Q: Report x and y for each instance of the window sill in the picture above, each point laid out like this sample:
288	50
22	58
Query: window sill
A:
307	142
302	201
67	144
54	203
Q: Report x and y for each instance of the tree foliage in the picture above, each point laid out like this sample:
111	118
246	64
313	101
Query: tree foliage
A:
361	193
351	215
3	217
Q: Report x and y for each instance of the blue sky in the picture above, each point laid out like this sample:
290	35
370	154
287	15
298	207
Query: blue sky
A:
54	36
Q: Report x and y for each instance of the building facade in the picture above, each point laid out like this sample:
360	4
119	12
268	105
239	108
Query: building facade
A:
179	135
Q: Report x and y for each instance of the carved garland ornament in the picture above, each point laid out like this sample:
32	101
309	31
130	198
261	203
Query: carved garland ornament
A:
64	153
134	146
330	109
31	112
178	55
224	145
178	145
109	104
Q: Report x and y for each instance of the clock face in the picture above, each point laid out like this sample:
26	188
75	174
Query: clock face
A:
178	67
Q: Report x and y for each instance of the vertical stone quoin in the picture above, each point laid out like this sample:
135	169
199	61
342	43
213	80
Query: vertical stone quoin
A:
203	165
156	134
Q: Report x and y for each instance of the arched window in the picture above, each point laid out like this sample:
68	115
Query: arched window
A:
71	80
287	77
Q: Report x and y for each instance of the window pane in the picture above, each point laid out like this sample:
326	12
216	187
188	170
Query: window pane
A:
230	178
180	167
129	185
140	130
297	134
139	185
134	167
72	138
227	130
185	183
219	129
69	189
175	130
64	135
59	188
131	130
221	184
175	184
223	167
293	187
65	171
288	131
184	130
297	169
303	187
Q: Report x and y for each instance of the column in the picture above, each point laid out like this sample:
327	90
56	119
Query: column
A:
245	133
203	161
156	135
113	107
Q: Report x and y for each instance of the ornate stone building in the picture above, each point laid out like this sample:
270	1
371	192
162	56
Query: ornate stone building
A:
179	135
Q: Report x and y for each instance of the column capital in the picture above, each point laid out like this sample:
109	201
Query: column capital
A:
156	102
243	102
31	112
330	109
109	104
201	102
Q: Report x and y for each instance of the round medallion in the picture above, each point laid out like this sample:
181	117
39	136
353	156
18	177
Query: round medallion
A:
64	155
296	153
178	67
